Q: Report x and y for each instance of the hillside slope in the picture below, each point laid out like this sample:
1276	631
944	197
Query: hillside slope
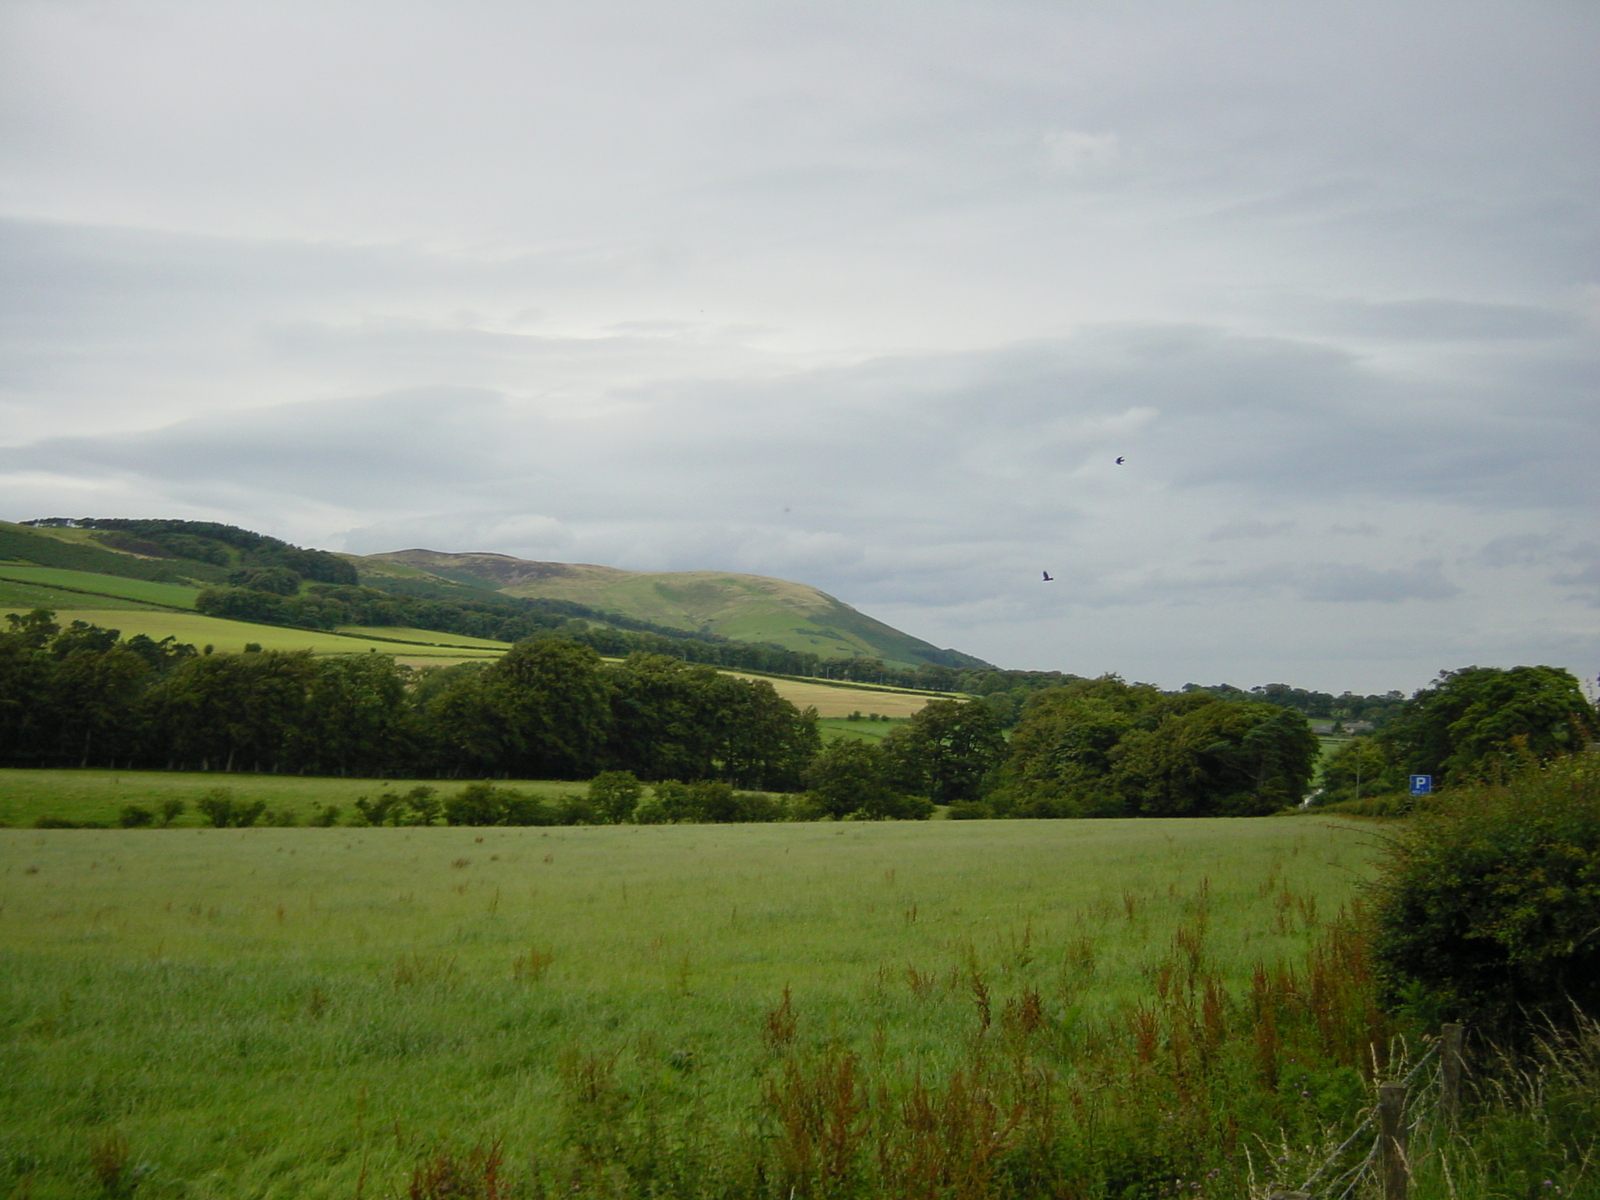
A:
747	608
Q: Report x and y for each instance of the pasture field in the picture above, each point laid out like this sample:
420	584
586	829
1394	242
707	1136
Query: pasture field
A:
171	595
315	1012
95	795
834	728
426	637
18	597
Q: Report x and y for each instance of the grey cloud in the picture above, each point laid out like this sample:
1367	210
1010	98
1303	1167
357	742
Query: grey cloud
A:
1347	582
1586	576
1449	320
1320	581
1360	529
1250	529
369	451
945	449
1517	550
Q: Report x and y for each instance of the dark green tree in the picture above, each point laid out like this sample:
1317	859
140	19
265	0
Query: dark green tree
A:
1059	759
1482	721
1360	767
25	672
851	778
228	711
92	700
32	630
280	581
1214	758
946	751
356	717
542	711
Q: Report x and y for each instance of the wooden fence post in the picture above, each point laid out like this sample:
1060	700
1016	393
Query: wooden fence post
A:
1450	1074
1392	1164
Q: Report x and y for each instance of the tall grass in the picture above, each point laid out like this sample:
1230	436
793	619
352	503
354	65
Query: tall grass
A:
288	1012
975	1009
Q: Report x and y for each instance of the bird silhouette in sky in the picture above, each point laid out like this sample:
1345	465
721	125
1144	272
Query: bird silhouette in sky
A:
1120	460
1049	578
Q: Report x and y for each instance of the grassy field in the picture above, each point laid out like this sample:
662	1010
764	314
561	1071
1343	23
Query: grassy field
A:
311	1012
98	795
18	597
833	728
427	637
172	595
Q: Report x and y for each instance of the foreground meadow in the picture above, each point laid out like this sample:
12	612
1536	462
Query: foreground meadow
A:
314	1012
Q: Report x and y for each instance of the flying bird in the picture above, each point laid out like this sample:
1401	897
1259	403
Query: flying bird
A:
1049	578
1120	460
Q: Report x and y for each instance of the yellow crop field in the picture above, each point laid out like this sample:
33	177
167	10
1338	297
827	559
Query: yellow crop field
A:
831	700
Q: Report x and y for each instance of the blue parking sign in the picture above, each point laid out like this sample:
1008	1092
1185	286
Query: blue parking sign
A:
1421	785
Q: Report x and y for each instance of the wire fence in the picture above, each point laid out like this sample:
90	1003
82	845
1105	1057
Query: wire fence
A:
1428	1100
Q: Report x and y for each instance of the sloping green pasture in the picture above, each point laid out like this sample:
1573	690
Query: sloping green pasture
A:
17	597
311	1012
86	583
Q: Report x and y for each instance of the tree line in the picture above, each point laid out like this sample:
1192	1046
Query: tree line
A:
1472	725
1089	748
551	708
547	709
209	548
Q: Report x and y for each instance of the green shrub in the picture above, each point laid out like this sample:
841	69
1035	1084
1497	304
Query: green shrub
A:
1388	804
969	810
416	807
132	816
483	803
614	795
1488	906
222	811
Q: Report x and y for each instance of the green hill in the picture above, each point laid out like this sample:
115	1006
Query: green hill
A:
746	608
60	563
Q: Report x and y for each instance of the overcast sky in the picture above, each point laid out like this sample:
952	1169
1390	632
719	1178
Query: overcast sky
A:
868	295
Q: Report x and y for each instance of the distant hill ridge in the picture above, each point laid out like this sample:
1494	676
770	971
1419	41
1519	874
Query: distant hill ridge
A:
744	608
750	608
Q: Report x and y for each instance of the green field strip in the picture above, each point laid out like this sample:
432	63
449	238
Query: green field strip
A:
422	637
87	583
24	597
231	637
98	795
